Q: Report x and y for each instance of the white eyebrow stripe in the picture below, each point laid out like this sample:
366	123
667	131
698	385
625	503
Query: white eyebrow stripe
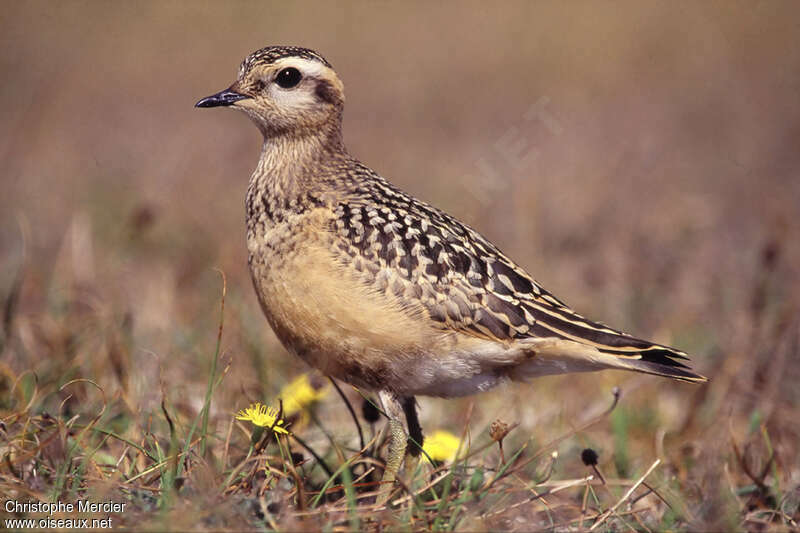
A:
308	67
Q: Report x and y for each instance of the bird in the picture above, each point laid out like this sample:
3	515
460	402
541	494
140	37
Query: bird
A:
384	291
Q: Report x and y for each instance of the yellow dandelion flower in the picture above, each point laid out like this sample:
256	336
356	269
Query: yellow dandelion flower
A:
441	445
300	394
262	416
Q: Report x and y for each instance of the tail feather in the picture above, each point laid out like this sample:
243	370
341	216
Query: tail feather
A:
581	344
661	361
556	356
674	371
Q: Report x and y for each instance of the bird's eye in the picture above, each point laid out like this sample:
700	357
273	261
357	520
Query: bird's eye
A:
288	77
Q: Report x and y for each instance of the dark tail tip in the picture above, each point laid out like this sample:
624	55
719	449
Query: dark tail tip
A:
681	373
663	361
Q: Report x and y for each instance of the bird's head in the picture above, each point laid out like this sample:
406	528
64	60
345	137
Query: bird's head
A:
284	90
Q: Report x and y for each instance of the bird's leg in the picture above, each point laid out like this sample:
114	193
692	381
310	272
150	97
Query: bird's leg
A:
393	407
415	437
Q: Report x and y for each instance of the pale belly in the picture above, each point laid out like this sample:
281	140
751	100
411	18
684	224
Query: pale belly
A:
325	313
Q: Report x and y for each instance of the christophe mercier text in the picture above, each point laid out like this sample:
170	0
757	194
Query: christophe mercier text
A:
79	506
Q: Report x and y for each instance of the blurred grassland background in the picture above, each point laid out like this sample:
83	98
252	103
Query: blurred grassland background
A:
640	159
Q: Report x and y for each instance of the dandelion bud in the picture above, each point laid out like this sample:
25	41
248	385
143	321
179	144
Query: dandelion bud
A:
498	430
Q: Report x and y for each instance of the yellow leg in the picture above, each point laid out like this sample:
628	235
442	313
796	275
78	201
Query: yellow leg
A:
398	438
